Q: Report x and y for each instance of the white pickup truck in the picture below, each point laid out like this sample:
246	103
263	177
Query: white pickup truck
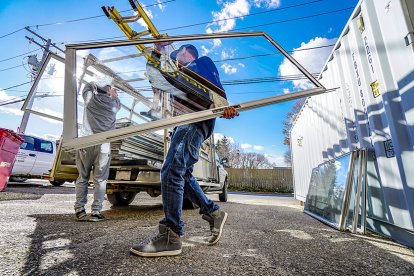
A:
129	177
37	157
34	159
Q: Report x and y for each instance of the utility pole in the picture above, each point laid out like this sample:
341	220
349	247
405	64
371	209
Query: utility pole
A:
35	68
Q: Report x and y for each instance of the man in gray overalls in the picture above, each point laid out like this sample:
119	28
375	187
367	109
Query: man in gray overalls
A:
101	106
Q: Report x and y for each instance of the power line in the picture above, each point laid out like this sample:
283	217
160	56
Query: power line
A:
44	92
79	19
93	17
235	17
12	101
17	85
273	54
21	29
20	55
196	24
21	99
17	66
294	19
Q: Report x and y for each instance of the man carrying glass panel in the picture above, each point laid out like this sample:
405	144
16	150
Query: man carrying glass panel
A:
177	180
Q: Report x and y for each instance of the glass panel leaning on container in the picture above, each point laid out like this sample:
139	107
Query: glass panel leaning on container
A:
338	188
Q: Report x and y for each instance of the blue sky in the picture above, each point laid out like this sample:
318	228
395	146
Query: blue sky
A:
294	24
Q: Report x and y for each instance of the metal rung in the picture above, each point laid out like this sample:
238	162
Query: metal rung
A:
131	19
147	50
135	79
140	34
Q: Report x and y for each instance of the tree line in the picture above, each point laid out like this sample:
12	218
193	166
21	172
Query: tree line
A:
239	159
251	160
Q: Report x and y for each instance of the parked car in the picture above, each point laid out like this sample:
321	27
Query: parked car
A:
34	159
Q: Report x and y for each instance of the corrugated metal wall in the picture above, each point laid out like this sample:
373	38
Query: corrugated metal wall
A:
373	66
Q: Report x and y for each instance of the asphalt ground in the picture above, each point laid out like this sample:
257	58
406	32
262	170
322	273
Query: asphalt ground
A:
266	234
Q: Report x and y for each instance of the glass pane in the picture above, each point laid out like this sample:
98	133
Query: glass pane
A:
48	96
326	190
351	205
47	101
376	205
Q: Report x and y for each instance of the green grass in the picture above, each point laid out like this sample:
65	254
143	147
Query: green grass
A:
259	189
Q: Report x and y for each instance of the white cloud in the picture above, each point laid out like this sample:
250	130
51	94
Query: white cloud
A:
228	69
278	160
266	3
241	65
51	136
216	42
204	50
141	21
286	91
258	148
230	9
236	8
338	165
245	146
219	136
10	108
312	60
227	54
160	5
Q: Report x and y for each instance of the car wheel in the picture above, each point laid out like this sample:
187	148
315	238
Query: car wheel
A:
57	183
223	195
121	198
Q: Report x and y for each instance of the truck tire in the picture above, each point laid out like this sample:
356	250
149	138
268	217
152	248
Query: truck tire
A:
17	179
223	195
57	183
121	198
189	205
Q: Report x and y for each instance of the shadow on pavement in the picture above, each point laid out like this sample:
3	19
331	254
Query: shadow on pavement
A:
257	240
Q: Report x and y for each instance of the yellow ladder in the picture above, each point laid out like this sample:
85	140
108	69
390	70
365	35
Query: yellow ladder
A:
122	23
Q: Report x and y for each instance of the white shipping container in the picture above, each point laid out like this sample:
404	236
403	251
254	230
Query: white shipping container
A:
372	63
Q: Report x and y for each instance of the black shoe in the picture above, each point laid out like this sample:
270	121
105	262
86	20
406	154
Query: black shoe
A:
216	220
166	243
80	213
96	217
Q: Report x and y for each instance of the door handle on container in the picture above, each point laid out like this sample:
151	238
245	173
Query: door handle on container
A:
32	154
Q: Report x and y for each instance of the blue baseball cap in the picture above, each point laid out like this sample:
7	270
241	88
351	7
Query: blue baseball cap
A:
189	47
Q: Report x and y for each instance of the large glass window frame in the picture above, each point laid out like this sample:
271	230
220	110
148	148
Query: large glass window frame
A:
71	141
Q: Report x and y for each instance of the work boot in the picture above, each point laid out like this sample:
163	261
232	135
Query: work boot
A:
80	213
96	216
166	243
216	220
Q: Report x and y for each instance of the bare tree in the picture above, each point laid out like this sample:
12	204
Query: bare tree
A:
239	159
287	125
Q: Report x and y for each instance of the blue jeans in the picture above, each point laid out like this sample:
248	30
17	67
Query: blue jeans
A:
177	180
